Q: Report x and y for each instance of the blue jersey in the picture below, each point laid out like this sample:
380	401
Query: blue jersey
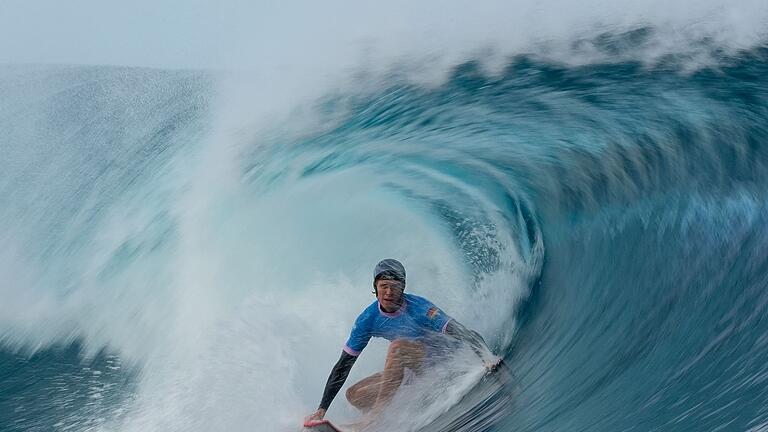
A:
416	319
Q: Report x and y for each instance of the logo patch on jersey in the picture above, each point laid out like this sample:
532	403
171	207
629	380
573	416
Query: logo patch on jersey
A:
432	312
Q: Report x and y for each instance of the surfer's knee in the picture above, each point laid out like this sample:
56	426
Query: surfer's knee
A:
404	353
396	347
403	346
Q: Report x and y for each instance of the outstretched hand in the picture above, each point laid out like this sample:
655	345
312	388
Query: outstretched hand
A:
493	363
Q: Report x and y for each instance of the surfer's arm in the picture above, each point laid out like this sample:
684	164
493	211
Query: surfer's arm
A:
338	375
472	338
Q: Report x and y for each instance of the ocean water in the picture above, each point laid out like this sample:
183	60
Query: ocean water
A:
173	261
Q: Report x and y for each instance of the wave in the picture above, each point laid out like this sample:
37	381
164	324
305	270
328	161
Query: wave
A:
599	223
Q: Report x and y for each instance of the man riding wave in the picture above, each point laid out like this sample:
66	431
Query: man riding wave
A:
412	324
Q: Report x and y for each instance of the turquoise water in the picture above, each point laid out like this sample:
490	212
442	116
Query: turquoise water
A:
601	225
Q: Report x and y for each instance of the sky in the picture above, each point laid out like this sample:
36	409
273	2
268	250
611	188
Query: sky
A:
300	34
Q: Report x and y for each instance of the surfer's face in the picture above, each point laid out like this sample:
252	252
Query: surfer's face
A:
390	294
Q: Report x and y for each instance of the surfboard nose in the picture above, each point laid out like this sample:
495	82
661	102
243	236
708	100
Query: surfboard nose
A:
320	426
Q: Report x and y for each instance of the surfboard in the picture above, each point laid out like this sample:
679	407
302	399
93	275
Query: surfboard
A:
320	426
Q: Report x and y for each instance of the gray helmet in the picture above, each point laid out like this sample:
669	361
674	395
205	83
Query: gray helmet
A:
389	269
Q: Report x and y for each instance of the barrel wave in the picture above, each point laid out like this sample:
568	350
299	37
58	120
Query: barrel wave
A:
602	225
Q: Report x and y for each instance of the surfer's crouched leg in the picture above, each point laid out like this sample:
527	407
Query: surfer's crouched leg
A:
377	389
363	394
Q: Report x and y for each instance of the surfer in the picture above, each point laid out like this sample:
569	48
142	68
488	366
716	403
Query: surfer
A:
412	324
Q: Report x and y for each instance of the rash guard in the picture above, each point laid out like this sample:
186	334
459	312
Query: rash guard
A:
416	319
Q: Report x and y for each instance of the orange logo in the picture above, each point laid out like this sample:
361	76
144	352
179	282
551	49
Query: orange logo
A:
432	312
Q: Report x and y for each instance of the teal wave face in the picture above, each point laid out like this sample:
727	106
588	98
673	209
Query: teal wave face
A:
601	225
648	187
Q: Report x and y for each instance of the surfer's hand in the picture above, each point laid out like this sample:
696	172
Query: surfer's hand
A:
492	363
317	415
